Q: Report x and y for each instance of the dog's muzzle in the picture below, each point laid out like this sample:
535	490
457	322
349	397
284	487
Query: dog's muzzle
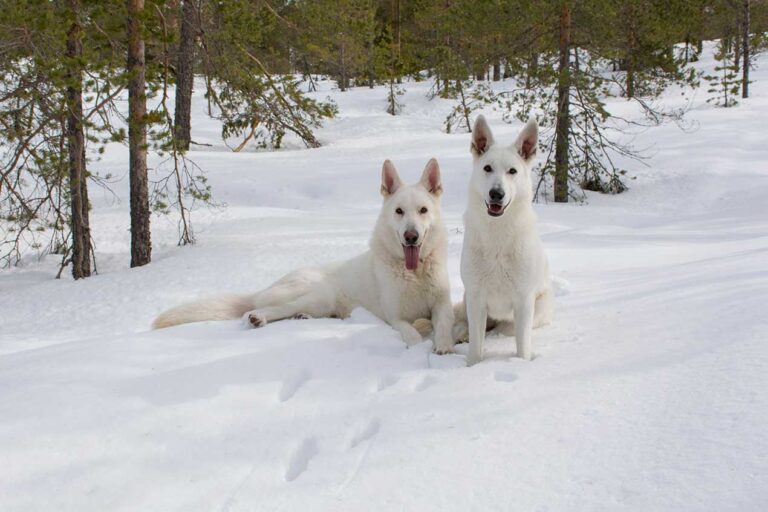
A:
495	209
495	203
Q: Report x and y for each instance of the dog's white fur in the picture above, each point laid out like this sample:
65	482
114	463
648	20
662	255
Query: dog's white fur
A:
376	280
503	265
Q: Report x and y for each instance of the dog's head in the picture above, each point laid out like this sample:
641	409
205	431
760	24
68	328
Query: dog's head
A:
411	210
502	174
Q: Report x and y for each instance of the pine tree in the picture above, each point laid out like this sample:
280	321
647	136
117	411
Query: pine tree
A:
563	123
337	37
745	47
50	115
78	177
725	82
185	72
141	244
253	101
388	68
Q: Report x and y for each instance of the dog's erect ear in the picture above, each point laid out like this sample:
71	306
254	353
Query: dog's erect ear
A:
528	140
482	138
390	181
430	178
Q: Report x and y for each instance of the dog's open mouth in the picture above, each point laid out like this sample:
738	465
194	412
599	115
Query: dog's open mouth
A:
495	209
411	256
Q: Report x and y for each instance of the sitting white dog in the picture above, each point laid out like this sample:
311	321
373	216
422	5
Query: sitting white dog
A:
503	265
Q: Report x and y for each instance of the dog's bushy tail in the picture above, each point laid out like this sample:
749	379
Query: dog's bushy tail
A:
224	307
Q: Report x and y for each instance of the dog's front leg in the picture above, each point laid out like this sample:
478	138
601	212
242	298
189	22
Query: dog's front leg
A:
442	319
523	326
391	305
477	316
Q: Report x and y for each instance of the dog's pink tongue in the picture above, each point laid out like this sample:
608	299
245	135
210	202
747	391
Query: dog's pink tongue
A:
411	257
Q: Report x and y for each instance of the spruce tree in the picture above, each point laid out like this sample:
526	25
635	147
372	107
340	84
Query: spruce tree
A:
724	83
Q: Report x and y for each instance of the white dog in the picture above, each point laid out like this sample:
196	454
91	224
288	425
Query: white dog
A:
401	278
503	265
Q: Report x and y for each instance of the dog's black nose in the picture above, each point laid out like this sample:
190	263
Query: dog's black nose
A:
411	237
496	194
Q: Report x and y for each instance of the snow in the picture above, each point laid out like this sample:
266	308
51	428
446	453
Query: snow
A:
648	391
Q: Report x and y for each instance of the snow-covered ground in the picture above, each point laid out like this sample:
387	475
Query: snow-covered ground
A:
648	392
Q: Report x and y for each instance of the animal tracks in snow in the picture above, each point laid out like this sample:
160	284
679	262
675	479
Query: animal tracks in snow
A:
385	382
504	376
301	458
292	384
365	433
424	383
308	449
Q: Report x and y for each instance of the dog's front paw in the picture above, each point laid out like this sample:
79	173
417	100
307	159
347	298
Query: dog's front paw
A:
473	359
302	316
443	348
254	319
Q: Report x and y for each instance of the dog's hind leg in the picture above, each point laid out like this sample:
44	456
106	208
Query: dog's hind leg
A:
314	304
460	329
543	308
424	326
503	327
542	315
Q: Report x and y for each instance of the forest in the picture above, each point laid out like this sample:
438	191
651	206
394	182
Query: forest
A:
385	255
68	66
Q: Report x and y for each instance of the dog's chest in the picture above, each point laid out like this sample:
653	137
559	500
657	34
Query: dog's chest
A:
415	305
500	280
498	271
497	264
416	291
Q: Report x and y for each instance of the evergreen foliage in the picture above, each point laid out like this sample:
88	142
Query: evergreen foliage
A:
724	83
258	58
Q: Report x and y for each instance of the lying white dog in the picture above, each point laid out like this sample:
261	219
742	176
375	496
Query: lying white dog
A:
503	265
401	278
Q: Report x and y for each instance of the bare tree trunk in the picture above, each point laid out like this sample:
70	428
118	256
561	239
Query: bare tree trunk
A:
343	81
396	26
534	63
141	244
371	67
185	75
78	177
392	98
562	128
745	51
631	49
397	40
497	70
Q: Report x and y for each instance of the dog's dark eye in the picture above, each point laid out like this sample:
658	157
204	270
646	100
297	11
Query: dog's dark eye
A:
513	171
487	168
423	209
399	211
